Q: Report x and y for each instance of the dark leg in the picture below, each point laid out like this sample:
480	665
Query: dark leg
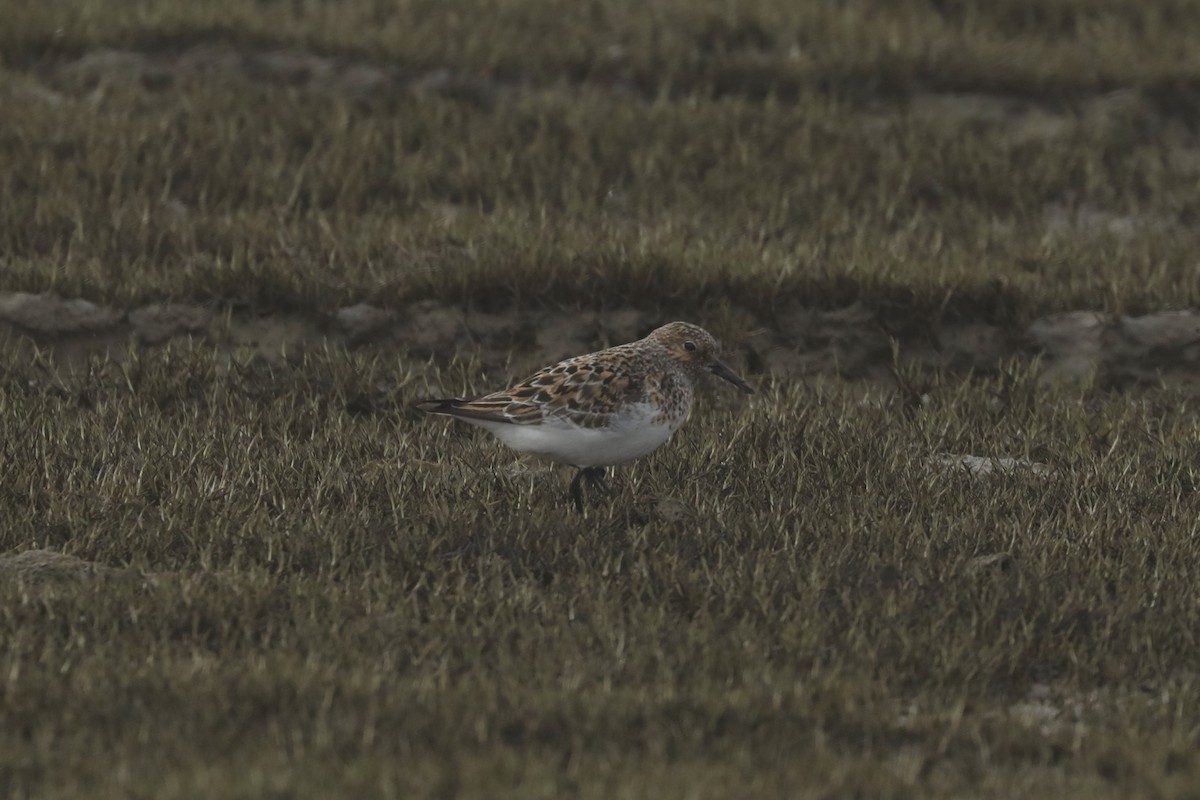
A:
577	489
595	476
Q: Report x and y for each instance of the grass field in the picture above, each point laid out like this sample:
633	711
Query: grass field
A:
238	240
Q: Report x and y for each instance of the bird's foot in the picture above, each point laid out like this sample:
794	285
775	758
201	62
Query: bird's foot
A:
595	479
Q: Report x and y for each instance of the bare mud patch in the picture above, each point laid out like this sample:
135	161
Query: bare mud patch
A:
49	314
158	322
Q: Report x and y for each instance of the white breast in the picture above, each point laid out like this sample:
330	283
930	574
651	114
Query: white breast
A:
632	434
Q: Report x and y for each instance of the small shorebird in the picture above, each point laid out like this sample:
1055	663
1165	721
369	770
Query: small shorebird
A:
603	408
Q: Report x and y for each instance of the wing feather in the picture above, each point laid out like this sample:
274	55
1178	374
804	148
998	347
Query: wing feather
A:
586	391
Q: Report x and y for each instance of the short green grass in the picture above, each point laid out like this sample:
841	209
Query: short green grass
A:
321	593
284	582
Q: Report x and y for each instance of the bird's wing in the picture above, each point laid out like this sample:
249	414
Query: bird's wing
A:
585	391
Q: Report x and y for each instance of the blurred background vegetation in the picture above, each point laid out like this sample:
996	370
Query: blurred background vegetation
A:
1014	157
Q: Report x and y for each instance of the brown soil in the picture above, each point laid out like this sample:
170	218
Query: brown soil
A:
852	342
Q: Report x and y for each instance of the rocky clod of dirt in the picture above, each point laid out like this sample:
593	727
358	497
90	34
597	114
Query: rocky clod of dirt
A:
158	322
1070	344
363	320
48	313
1083	344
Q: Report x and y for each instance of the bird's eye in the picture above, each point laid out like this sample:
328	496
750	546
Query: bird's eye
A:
689	346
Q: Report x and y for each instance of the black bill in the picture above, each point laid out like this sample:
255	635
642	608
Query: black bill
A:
722	371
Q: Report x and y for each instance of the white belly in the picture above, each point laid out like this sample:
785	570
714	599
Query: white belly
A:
633	435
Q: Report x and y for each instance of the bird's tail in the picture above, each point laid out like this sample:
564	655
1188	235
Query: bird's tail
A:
445	406
484	409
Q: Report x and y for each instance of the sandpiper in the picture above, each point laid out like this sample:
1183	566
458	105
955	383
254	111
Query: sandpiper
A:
600	409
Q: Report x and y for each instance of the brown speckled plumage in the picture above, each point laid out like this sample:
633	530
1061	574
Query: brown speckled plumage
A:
589	389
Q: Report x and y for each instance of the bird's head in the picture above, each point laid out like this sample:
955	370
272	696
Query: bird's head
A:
697	350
